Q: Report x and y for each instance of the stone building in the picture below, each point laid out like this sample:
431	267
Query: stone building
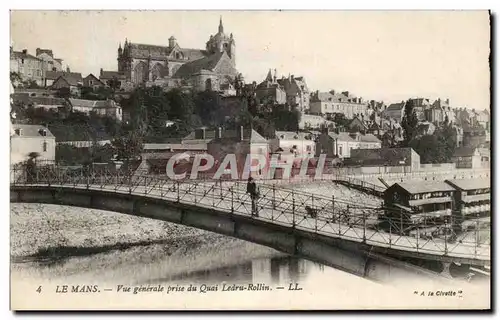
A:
50	63
395	111
324	103
297	92
93	82
103	108
27	66
203	69
33	138
271	90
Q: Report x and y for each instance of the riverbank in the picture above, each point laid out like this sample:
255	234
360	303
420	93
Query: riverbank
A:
49	241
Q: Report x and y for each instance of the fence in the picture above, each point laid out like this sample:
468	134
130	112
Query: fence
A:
337	218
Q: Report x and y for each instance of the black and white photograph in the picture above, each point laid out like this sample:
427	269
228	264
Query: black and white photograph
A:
250	160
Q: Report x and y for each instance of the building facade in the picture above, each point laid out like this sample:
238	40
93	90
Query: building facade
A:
270	90
33	138
203	69
297	92
297	143
27	66
50	63
93	82
325	103
103	108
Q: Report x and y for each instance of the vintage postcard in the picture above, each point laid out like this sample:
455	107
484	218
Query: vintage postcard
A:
250	160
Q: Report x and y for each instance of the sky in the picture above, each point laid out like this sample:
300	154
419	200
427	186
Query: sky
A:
389	56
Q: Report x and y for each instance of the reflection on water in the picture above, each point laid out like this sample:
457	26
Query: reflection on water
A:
276	270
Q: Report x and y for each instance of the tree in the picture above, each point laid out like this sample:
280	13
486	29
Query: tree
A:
128	146
389	139
409	122
436	148
340	120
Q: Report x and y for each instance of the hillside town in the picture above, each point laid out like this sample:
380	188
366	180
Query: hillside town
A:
126	174
162	99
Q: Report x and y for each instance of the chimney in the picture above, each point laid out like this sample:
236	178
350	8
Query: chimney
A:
25	51
38	51
67	69
11	49
219	133
292	77
240	135
101	72
447	101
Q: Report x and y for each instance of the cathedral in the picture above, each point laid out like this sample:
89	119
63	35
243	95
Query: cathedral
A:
212	68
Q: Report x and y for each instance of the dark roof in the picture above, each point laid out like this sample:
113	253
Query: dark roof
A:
112	74
71	79
248	134
424	186
368	138
382	156
47	51
337	97
464	152
90	75
207	63
38	91
54	75
395	106
139	50
22	55
470	184
48	101
341	136
32	130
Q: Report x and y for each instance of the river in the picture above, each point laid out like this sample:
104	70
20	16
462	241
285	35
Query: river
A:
69	245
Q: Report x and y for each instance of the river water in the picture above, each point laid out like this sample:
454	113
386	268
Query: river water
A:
86	246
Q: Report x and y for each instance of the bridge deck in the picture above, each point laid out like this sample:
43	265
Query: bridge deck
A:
287	208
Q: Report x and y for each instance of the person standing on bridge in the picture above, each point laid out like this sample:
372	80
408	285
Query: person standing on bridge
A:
254	194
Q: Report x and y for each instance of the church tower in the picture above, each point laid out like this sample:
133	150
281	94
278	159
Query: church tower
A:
221	42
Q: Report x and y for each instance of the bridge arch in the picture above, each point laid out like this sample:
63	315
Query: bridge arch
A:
285	238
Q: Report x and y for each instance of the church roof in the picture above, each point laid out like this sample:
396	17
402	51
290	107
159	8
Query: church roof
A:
207	63
112	74
139	50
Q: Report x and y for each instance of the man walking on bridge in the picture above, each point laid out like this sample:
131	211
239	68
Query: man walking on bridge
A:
254	194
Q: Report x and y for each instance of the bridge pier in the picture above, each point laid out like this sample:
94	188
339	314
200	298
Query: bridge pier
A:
446	269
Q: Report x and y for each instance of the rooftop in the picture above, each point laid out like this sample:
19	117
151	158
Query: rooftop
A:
290	135
207	63
32	130
470	184
425	186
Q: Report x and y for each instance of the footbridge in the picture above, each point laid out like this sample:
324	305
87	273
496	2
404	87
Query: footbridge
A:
308	225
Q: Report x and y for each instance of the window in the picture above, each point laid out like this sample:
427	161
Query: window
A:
308	148
91	82
44	146
340	150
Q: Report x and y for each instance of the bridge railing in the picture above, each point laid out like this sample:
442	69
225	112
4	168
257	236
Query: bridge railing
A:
355	221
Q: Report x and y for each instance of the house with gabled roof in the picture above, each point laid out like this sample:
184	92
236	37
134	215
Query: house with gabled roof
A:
29	138
92	81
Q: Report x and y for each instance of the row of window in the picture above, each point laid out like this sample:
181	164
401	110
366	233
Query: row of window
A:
478	191
428	195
